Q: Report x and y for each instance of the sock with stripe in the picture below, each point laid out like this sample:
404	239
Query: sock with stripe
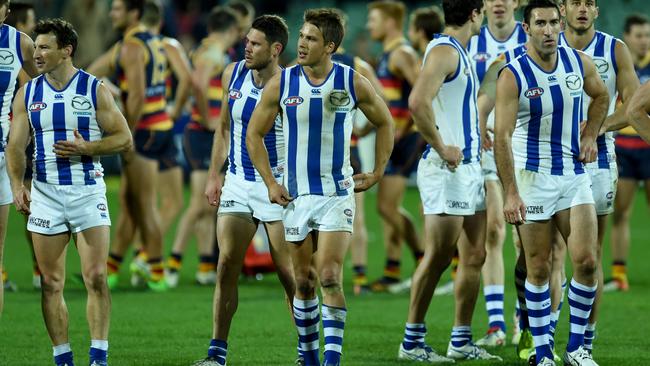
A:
414	334
392	270
175	262
62	355
113	263
333	326
461	335
520	286
454	265
218	351
555	315
581	300
494	305
590	335
538	303
206	263
157	269
360	278
307	318
98	350
619	269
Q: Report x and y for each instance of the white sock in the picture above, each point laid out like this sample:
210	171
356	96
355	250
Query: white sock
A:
99	344
61	349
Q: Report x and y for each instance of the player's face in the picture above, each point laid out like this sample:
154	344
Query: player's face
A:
47	54
500	12
581	14
311	45
4	11
375	23
118	15
413	34
544	30
258	50
638	39
477	21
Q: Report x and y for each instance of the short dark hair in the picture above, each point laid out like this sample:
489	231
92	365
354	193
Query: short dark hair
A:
135	5
18	13
274	28
329	22
538	4
152	13
62	30
221	18
457	13
634	19
243	7
429	20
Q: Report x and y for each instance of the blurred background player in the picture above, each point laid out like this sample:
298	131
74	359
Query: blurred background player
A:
616	69
209	61
245	14
501	33
75	120
424	23
633	158
397	71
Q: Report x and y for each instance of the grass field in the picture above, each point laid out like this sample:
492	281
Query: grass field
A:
174	328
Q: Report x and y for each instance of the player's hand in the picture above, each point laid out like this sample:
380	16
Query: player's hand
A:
514	209
364	181
76	147
452	155
486	140
279	194
583	124
588	149
22	199
213	190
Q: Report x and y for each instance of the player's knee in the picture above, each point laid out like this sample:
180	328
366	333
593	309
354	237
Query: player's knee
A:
95	279
331	285
495	234
538	269
586	264
51	284
475	258
621	216
385	209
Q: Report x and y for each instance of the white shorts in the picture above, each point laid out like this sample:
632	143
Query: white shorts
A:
58	209
442	191
319	213
603	187
546	194
241	196
6	196
489	166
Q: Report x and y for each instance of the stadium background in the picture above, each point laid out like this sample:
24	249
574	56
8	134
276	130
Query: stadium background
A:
173	328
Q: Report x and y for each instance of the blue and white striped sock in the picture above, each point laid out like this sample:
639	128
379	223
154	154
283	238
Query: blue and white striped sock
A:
98	350
333	325
494	305
555	315
414	334
63	354
520	286
307	318
538	302
218	350
461	335
590	335
581	300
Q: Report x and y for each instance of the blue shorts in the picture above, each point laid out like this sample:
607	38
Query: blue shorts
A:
197	146
406	155
633	163
157	145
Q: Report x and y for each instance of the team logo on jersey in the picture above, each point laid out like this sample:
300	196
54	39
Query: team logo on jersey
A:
602	65
37	106
552	79
533	93
292	101
58	96
81	103
347	212
6	57
234	94
339	98
482	57
101	207
573	82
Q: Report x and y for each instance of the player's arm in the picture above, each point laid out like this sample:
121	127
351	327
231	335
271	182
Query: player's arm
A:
375	109
116	134
27	51
487	98
638	109
627	83
441	63
15	152
103	65
260	124
364	68
506	109
204	68
181	68
132	60
405	64
597	111
221	143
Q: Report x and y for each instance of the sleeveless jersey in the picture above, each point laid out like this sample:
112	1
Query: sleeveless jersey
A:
483	48
396	90
454	107
347	59
54	115
643	72
11	61
317	125
546	138
243	96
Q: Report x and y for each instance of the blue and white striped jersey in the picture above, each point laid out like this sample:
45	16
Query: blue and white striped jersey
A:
454	107
546	138
54	115
602	51
243	96
11	61
317	123
483	48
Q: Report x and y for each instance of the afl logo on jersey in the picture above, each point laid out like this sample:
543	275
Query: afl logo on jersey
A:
81	103
37	106
293	101
533	93
482	57
234	94
573	82
6	57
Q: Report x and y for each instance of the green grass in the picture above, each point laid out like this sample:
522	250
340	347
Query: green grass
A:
174	328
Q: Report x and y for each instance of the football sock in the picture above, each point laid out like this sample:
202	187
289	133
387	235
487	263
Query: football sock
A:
63	354
333	325
98	350
175	262
590	335
218	350
157	270
494	305
392	270
307	318
581	300
520	286
113	263
461	335
538	303
206	263
414	334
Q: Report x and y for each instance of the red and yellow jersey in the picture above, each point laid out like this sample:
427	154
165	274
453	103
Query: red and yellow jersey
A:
154	112
628	138
214	94
396	90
